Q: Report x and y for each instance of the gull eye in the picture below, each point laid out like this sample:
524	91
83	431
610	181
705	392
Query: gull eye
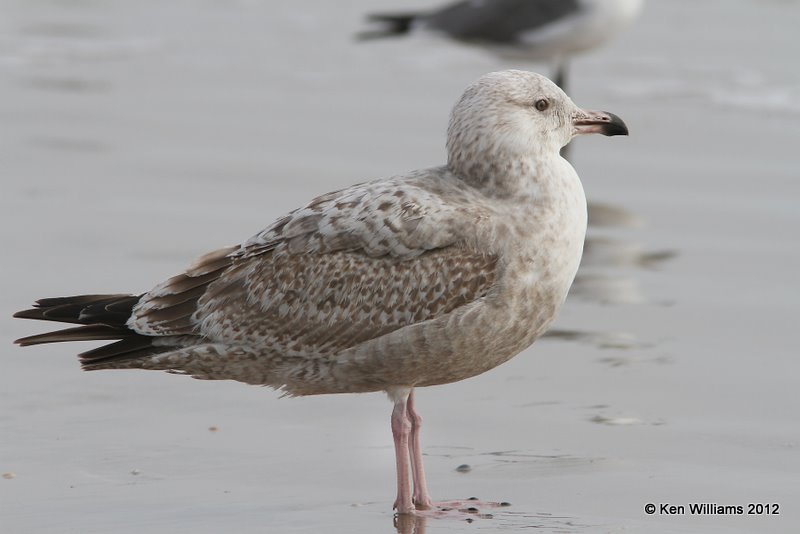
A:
542	104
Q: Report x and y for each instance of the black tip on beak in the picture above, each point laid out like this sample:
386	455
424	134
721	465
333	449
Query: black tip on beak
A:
601	122
615	126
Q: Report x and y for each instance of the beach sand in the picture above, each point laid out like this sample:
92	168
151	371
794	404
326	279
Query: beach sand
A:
137	136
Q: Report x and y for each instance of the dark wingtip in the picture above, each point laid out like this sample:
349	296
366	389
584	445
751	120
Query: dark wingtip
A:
29	340
91	332
33	313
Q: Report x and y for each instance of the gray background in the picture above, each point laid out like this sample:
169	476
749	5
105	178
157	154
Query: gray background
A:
135	136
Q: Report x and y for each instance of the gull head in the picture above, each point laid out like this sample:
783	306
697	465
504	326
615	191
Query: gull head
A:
513	115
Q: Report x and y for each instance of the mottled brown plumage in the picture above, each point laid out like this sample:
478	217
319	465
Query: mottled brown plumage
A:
414	280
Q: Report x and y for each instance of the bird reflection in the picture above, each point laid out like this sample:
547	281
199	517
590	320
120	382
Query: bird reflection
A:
410	524
602	215
417	523
503	521
599	251
607	274
601	340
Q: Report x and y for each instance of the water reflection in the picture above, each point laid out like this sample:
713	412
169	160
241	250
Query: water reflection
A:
409	524
611	252
608	272
607	289
605	275
505	520
604	258
607	215
601	340
461	511
496	516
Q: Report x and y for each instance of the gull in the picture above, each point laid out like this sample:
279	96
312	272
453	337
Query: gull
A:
536	30
415	280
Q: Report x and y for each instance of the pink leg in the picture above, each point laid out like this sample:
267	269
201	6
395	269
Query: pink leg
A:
421	498
401	428
406	425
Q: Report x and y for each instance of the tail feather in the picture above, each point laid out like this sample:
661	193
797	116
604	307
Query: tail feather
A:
101	317
112	310
130	348
393	25
78	333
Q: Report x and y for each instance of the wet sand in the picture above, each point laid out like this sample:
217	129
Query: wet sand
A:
139	135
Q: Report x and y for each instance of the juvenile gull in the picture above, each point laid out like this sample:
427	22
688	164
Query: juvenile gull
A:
415	280
538	30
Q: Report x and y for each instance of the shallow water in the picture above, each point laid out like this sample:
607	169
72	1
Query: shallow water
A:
139	135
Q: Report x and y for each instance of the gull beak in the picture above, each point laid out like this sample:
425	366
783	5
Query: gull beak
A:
602	122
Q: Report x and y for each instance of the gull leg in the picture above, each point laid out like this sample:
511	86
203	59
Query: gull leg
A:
401	428
560	77
560	80
406	425
421	497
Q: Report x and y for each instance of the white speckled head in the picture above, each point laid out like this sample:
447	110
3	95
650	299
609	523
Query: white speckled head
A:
516	116
511	112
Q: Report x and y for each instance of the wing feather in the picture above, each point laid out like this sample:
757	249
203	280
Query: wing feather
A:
350	266
500	21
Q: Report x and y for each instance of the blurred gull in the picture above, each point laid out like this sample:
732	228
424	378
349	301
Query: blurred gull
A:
415	280
538	30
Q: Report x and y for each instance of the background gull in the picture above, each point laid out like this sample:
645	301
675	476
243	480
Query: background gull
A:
415	280
540	30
